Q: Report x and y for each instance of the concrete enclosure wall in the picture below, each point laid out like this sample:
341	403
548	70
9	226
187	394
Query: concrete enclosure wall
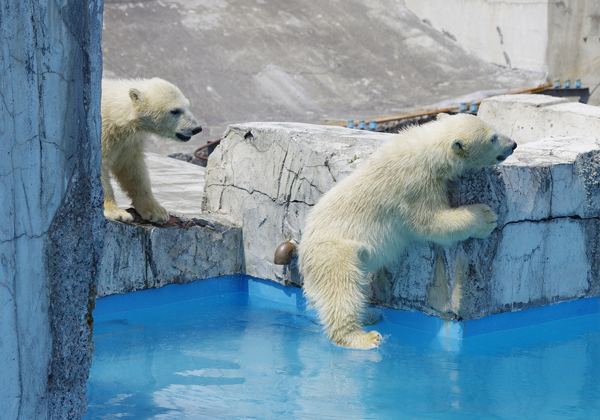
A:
552	36
495	30
50	204
574	40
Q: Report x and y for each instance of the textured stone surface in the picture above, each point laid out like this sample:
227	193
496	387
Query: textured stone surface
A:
268	175
527	118
547	196
50	204
140	257
143	256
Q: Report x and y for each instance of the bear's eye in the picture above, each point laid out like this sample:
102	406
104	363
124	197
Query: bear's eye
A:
494	138
176	111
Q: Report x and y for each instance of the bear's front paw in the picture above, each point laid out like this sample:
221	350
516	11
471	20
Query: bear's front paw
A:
485	220
117	214
153	212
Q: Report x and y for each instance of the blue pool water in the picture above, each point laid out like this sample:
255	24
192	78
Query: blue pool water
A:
239	348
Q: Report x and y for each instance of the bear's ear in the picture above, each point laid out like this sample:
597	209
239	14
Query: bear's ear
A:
442	116
135	95
459	147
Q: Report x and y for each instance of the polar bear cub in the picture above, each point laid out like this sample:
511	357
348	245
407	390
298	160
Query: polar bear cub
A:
131	111
397	196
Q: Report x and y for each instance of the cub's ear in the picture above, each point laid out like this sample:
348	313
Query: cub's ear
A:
442	116
136	95
459	147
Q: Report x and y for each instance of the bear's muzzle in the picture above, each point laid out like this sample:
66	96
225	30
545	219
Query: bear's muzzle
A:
508	150
184	137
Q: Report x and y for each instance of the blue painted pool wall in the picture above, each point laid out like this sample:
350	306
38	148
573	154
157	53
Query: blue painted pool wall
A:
293	297
172	293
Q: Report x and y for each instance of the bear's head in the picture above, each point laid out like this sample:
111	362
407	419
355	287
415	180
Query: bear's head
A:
163	110
474	142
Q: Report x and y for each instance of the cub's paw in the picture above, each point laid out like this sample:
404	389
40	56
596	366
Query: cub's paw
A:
485	220
117	214
361	340
153	212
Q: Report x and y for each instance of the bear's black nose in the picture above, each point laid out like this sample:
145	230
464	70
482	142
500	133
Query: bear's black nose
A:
196	130
514	145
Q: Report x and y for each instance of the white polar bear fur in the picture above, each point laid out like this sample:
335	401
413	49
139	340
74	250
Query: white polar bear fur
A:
397	196
131	111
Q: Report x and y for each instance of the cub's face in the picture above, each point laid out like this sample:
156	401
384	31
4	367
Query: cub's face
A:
477	143
163	110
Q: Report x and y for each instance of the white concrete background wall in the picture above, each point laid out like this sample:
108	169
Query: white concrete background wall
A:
552	36
573	40
509	33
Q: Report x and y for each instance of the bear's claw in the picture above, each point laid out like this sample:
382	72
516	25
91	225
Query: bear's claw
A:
155	213
486	220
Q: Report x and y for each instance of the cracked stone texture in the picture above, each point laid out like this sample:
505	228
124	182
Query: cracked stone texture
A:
50	204
268	175
547	196
138	257
527	118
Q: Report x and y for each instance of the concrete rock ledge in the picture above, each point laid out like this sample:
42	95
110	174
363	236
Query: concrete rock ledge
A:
198	246
547	196
144	256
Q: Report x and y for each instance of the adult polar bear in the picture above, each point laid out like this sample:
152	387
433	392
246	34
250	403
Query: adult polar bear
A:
131	111
398	196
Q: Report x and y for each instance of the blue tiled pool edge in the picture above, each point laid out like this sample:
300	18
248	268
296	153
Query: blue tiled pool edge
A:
293	296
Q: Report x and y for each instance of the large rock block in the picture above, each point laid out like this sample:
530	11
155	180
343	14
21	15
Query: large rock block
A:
547	196
268	175
192	246
528	118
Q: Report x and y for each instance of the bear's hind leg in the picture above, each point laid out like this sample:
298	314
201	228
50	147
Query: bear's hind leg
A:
333	282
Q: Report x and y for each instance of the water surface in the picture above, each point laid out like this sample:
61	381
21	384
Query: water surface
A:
238	356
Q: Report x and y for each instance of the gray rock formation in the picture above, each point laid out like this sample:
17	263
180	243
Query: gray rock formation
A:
50	201
545	249
138	257
193	246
